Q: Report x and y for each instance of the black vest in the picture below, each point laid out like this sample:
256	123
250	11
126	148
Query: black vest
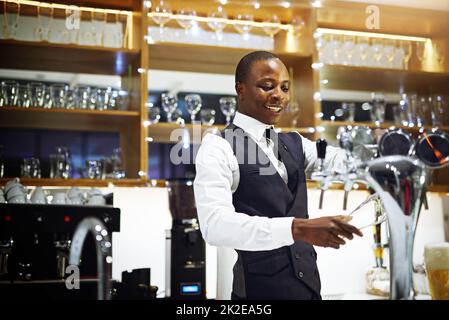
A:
289	272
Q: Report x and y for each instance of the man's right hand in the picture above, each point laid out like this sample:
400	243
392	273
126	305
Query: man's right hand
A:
324	231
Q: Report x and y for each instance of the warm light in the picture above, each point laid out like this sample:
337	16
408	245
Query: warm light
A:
149	139
142	173
317	65
285	4
141	70
370	34
65	7
223	2
316	3
324	81
256	5
221	20
147	4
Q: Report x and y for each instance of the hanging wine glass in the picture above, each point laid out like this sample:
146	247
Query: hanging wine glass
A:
187	19
298	25
193	105
272	25
377	49
389	51
244	25
44	20
11	15
169	104
161	15
421	51
348	49
439	52
407	47
217	22
227	107
362	50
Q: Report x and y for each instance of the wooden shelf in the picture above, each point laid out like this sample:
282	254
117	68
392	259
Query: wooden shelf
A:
203	58
386	80
40	118
65	57
78	182
164	132
382	125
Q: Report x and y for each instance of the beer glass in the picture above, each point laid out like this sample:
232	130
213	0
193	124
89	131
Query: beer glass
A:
436	257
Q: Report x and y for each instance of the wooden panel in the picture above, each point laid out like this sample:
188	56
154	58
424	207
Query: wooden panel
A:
387	80
199	58
38	118
65	58
393	19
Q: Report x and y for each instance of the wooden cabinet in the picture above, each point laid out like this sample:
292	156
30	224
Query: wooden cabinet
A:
134	64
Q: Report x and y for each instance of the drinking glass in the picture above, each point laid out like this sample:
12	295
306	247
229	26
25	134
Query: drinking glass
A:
377	50
335	49
36	91
153	112
11	15
423	111
389	49
348	109
421	51
58	95
439	52
82	97
217	23
207	116
10	92
193	105
187	21
407	47
101	99
227	107
98	26
57	165
377	111
23	97
298	24
348	47
292	111
123	100
94	169
243	24
436	257
162	15
169	104
271	26
437	111
2	162
44	21
66	168
375	220
362	50
31	168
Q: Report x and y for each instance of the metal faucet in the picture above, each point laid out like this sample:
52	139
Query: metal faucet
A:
103	249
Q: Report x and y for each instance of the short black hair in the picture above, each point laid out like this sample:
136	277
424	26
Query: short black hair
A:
244	65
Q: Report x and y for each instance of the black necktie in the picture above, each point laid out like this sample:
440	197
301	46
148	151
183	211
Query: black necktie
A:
272	137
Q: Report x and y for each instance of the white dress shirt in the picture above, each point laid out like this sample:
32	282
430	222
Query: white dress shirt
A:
217	178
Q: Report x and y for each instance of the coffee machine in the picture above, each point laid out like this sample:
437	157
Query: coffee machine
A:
35	241
185	276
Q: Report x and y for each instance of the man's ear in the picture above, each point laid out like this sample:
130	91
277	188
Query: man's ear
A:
239	88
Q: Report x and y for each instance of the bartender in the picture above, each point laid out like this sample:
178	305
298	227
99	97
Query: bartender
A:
251	193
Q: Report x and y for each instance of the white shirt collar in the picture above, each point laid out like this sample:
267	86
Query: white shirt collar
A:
250	125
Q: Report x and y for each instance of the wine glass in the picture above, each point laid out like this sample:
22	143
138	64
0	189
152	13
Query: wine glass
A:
44	18
162	15
389	51
348	49
439	52
420	51
377	49
271	25
169	104
193	105
153	112
298	25
207	116
407	47
437	112
217	22
243	24
11	15
362	49
187	21
227	107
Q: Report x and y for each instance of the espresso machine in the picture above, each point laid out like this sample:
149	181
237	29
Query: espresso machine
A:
397	169
185	276
35	244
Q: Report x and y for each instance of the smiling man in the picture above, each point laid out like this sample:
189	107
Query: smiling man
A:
251	194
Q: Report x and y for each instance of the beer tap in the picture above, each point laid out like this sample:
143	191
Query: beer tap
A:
319	174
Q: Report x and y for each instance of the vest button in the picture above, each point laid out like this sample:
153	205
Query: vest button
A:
297	256
300	274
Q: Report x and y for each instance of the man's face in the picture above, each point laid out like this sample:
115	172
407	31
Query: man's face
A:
265	93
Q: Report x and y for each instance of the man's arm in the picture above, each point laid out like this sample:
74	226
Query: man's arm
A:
220	224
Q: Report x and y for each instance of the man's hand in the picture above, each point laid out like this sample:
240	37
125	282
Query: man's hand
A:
324	231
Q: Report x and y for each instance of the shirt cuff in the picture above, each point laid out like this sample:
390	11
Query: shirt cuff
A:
281	230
